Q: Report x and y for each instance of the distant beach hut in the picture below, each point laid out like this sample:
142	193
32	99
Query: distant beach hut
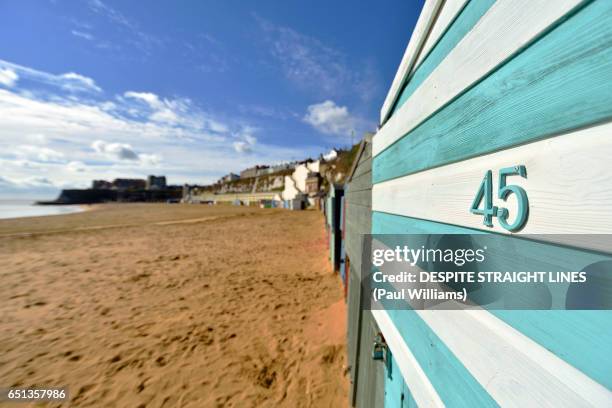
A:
333	213
367	375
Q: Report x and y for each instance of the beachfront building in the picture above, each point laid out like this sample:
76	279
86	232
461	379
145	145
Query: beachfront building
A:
255	171
101	185
229	178
295	192
128	184
156	182
313	183
506	103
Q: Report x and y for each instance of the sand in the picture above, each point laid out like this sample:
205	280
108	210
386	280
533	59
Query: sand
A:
147	305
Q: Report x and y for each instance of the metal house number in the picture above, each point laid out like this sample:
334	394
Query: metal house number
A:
485	193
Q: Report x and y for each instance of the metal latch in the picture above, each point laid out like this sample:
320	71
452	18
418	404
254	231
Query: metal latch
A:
381	352
380	347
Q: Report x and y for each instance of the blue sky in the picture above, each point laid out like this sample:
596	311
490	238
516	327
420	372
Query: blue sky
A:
189	89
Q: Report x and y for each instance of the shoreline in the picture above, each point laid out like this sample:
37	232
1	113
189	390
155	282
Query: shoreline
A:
18	209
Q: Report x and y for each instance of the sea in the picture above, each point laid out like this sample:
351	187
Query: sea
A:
17	208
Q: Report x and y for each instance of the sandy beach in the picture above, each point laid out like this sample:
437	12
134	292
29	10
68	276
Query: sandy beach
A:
157	305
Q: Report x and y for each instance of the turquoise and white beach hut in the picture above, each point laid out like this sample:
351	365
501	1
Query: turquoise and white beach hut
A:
512	98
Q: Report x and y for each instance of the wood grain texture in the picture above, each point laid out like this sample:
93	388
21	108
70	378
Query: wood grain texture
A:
507	27
371	391
560	83
565	333
422	390
417	39
447	14
569	186
360	183
368	378
366	167
353	330
465	21
514	370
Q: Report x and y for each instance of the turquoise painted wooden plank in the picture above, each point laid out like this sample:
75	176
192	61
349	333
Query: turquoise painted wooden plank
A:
463	23
561	82
452	381
394	385
397	393
582	338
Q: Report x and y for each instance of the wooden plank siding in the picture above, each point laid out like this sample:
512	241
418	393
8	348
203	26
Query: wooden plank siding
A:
358	198
444	193
367	375
507	28
466	19
443	21
498	84
419	36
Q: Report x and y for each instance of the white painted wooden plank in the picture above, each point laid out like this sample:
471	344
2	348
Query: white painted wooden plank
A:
569	186
421	389
505	28
419	34
514	370
447	14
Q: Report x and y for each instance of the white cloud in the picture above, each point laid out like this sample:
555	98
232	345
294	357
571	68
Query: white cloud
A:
198	148
38	138
43	154
242	147
150	98
164	116
316	67
82	34
217	126
124	152
76	166
247	141
76	81
70	81
163	110
151	160
8	77
133	34
329	118
116	151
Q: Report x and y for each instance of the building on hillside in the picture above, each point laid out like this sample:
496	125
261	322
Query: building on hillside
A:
295	183
128	184
229	177
282	167
254	171
156	182
313	183
101	185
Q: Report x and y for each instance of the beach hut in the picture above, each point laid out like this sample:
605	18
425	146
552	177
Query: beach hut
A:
366	374
508	103
333	216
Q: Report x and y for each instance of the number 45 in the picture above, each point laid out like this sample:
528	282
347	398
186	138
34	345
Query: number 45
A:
485	192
